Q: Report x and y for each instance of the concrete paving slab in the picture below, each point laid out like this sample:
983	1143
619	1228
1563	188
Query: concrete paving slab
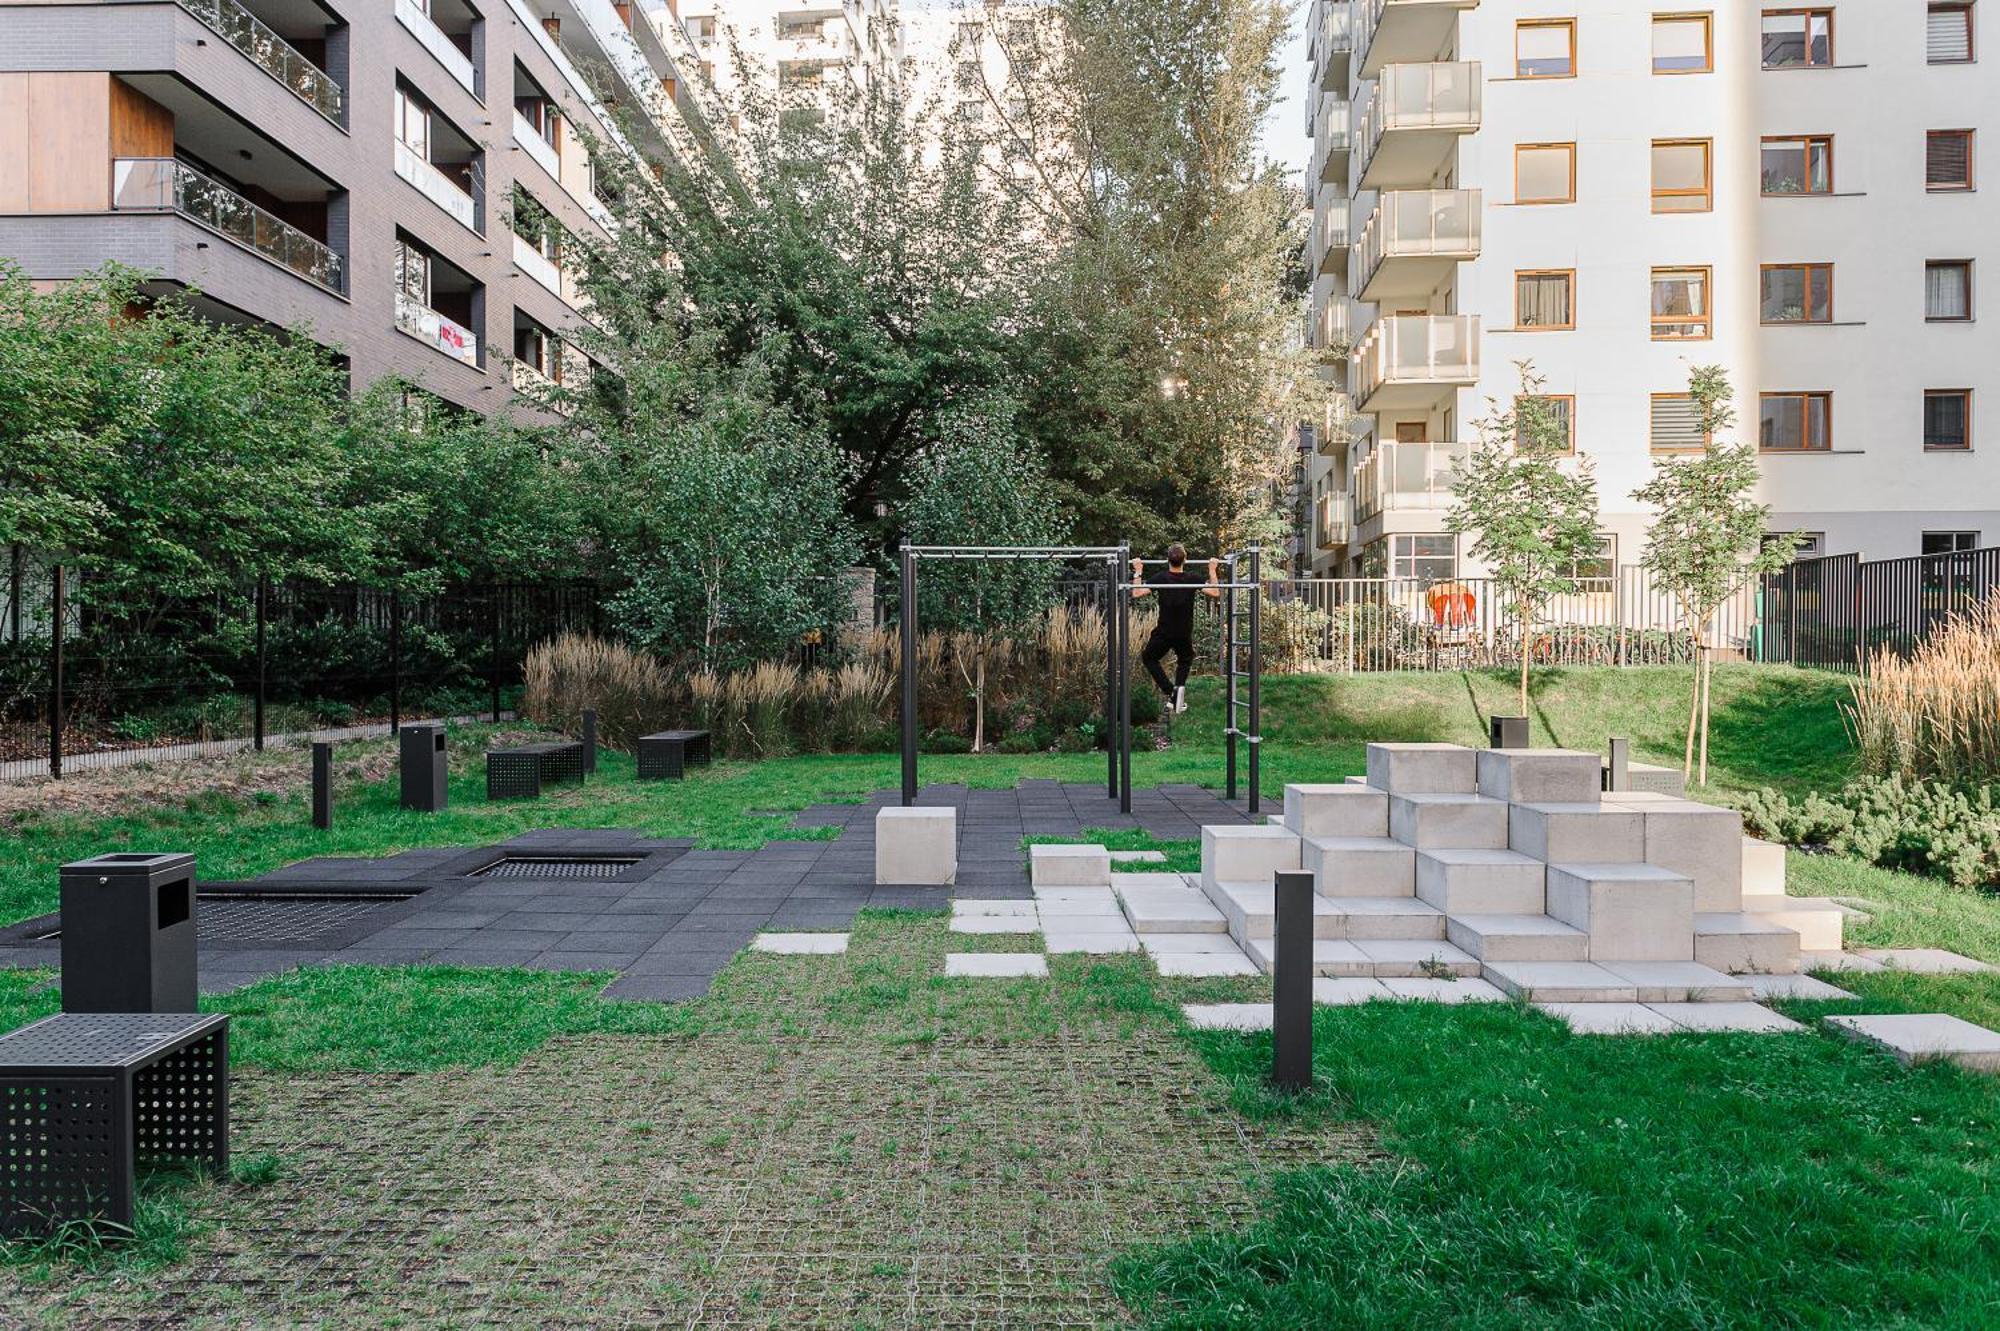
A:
1203	965
1610	1018
1561	982
1444	991
1923	960
1837	961
1228	1016
1765	987
812	944
996	965
1344	991
1924	1037
1747	1017
1680	982
1099	942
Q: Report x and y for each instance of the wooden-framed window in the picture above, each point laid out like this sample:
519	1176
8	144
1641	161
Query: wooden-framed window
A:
1948	160
1545	299
1562	411
1682	178
1545	173
1795	293
1948	290
1795	422
1545	48
1947	419
1798	38
1681	304
1800	164
1675	427
1683	43
1948	33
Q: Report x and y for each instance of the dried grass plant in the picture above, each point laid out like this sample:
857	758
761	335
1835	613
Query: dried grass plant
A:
1936	713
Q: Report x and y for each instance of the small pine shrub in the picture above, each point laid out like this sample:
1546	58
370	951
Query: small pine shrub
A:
1924	827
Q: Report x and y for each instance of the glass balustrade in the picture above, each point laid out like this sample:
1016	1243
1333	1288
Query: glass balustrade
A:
272	53
165	184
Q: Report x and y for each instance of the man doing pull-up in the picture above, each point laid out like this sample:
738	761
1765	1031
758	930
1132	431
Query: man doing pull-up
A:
1174	630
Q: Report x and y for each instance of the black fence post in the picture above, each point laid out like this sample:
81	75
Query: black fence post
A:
14	593
1291	980
322	791
1256	737
1229	684
1125	698
395	660
1117	571
908	629
58	613
493	646
263	600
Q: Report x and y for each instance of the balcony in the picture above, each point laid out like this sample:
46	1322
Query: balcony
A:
537	265
1389	32
540	149
162	184
1414	241
1333	139
1414	118
1410	362
1333	42
1406	478
1330	525
434	39
435	330
814	48
273	54
436	186
1339	427
1330	242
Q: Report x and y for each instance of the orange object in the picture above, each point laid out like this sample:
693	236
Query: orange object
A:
1452	605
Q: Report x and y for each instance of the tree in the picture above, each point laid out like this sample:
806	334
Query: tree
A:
1709	537
1530	507
981	485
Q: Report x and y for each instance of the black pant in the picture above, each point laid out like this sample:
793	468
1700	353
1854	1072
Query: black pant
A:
1157	647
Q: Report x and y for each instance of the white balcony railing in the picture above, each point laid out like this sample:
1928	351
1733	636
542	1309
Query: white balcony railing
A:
436	186
1418	223
1416	349
1336	29
537	265
433	329
1406	478
456	62
1331	521
271	53
1331	126
1420	28
537	147
1412	97
163	184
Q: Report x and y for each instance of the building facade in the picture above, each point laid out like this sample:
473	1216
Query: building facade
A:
1618	191
393	176
799	46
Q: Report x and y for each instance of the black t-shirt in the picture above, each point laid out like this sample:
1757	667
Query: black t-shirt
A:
1176	593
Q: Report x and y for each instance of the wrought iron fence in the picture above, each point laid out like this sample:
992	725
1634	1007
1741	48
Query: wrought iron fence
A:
1834	612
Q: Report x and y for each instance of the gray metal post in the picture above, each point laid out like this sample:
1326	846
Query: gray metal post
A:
1618	776
322	794
908	611
58	613
257	707
590	739
1125	698
1256	737
1291	980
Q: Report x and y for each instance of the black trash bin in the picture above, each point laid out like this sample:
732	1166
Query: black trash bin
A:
1507	732
423	767
128	933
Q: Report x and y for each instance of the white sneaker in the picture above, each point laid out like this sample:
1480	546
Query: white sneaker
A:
1180	699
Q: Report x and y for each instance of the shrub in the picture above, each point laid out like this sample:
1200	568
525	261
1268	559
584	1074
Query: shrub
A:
565	676
1936	713
1924	827
945	741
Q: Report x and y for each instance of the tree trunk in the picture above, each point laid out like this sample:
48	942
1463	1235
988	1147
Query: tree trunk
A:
1707	690
979	701
1694	707
1527	641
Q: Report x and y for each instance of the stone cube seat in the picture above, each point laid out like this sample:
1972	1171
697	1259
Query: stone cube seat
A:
1069	866
916	845
1247	853
1336	810
1744	944
1481	882
1632	912
1540	776
1702	841
1517	938
1454	821
1423	769
1577	833
1357	866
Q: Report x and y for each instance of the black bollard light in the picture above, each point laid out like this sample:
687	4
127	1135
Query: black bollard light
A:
1618	772
322	785
1291	982
1507	732
589	739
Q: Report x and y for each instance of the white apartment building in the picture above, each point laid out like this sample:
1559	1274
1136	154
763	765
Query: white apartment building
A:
1616	191
799	45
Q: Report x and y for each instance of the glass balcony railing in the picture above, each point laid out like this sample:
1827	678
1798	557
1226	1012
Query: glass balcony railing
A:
271	53
163	184
1405	97
1418	223
1406	478
1336	29
436	186
433	38
1417	349
428	326
1331	521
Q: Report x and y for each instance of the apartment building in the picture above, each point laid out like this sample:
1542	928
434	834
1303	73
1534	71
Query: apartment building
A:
800	46
392	175
1617	191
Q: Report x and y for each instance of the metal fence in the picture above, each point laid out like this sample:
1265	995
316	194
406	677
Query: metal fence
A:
1834	612
84	687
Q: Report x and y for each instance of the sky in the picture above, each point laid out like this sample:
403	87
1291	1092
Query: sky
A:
1284	137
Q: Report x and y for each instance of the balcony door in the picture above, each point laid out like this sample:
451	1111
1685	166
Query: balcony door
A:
1412	432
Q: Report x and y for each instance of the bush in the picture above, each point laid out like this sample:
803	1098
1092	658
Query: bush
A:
945	741
1935	714
565	676
1924	827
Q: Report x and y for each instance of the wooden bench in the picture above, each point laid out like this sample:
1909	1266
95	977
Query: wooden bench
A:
85	1095
667	755
520	772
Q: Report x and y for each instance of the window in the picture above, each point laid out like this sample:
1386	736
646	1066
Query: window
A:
1948	37
413	273
1798	38
1680	176
1948	290
1949	542
1798	165
1601	566
968	76
1948	418
413	124
1680	304
1675	426
1794	422
1683	44
1545	173
1948	159
1796	293
1430	558
1803	544
1561	409
1545	48
1545	299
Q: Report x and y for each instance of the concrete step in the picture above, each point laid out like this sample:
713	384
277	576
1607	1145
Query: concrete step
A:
1481	882
1250	911
1383	917
1423	769
1541	776
1680	982
1517	938
1819	922
1560	982
1454	821
1338	810
1069	866
1763	868
1632	912
1378	958
1577	833
1702	841
1165	903
1246	853
1360	866
1744	944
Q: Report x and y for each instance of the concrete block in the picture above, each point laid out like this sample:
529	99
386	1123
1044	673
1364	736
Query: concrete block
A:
1096	941
1632	912
1560	982
1481	882
1766	987
998	965
1069	866
1652	779
1340	810
1748	1017
916	845
1203	965
800	944
1837	961
1413	958
1541	776
1357	866
1331	956
1228	1016
996	924
1380	917
1577	833
1744	944
1763	868
1423	769
1680	982
1517	938
1609	1018
1922	960
1818	921
1926	1037
1458	822
1345	992
1444	991
1138	857
1061	903
1701	841
1249	909
1247	853
1169	908
1164	943
1354	781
